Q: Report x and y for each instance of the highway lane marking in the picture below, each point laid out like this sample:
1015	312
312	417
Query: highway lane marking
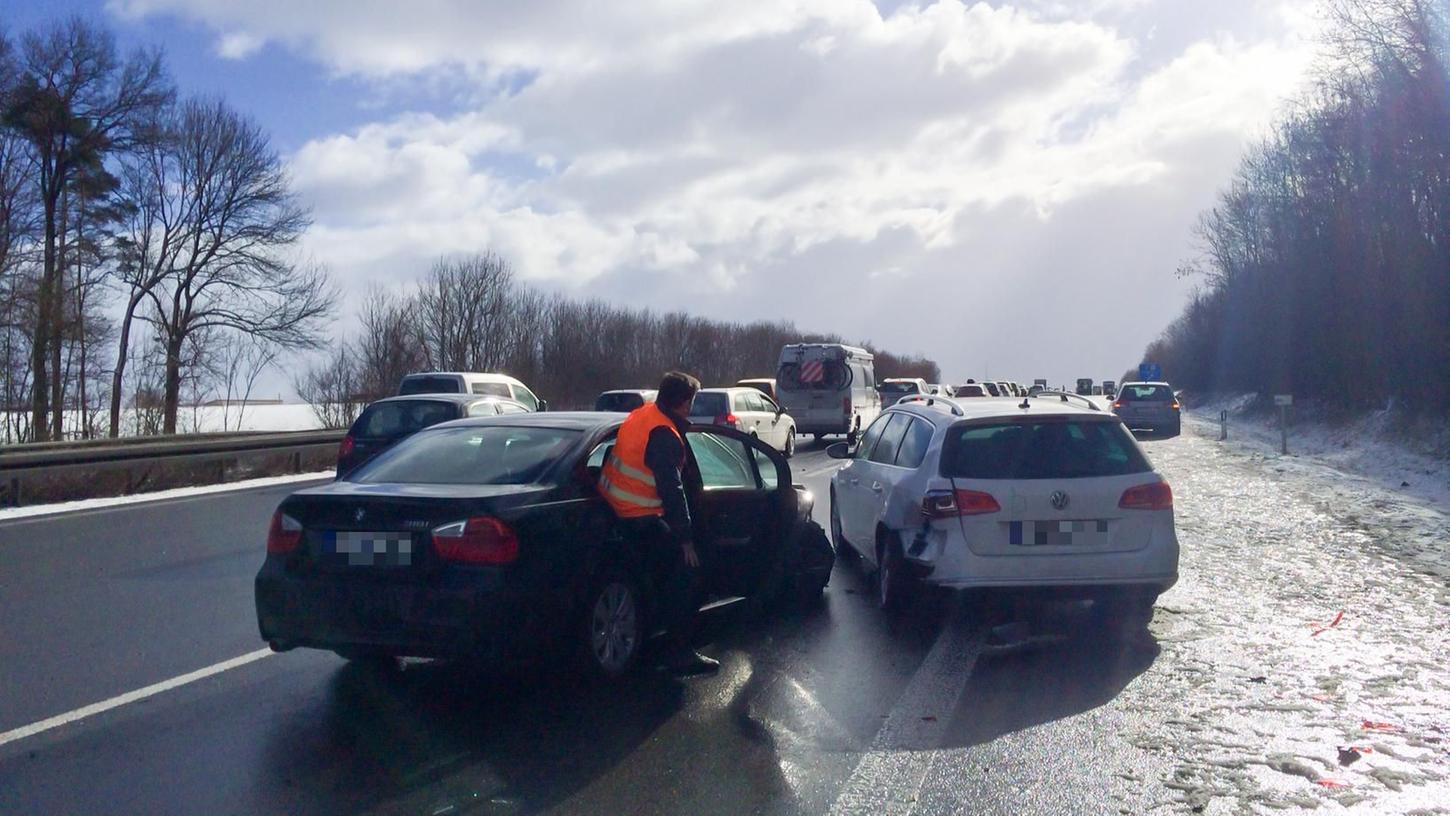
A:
131	697
888	779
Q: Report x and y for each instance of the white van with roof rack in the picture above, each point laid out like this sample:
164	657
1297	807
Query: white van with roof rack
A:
1046	492
471	382
828	388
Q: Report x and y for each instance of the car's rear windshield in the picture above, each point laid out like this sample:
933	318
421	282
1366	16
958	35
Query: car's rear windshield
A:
971	391
429	385
813	375
710	405
618	402
1047	449
383	420
1145	393
900	388
481	455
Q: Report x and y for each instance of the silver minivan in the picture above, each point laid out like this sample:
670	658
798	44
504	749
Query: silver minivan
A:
828	388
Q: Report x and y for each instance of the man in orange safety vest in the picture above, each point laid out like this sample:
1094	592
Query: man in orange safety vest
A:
642	479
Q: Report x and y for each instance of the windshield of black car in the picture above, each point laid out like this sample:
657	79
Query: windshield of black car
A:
1145	393
383	420
429	385
821	375
481	455
1045	449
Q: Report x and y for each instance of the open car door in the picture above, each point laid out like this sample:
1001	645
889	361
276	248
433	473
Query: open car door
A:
741	508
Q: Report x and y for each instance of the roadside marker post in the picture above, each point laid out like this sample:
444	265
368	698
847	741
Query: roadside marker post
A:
1223	426
1284	401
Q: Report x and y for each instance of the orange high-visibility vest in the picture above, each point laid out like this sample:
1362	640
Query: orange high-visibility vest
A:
625	480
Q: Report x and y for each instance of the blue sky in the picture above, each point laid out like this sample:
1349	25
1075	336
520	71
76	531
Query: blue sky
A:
925	175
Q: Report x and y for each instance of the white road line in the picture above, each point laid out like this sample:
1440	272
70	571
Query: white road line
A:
889	777
131	697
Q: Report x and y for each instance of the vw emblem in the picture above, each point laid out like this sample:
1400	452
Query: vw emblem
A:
1059	500
358	516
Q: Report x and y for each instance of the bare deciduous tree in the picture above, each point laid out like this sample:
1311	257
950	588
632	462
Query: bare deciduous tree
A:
74	103
238	220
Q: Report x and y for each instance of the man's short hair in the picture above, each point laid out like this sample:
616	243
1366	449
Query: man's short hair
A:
676	389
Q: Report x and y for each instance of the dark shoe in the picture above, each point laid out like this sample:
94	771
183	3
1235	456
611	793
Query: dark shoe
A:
692	664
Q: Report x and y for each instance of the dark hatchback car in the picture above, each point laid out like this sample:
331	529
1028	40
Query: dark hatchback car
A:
625	400
485	539
1149	408
387	422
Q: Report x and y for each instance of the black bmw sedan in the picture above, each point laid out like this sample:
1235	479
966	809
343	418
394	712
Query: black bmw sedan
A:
485	539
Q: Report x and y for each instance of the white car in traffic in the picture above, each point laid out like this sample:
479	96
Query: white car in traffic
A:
1047	492
748	410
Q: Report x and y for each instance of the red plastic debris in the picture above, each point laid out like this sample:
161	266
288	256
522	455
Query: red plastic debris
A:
1332	784
1379	726
1321	630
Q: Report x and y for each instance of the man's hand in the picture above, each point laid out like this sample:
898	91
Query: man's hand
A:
691	557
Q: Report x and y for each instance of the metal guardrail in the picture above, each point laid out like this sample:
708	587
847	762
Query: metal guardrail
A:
22	463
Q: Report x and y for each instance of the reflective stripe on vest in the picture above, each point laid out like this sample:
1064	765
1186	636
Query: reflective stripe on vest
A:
625	481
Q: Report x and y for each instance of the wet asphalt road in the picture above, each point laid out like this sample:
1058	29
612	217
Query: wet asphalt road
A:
838	709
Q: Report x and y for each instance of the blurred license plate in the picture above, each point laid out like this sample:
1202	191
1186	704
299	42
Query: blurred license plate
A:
364	549
1079	533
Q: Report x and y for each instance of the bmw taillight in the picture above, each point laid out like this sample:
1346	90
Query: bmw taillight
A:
344	449
1117	404
284	534
952	503
1175	406
1151	496
479	540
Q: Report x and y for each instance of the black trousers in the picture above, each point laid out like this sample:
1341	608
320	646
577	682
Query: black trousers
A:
675	584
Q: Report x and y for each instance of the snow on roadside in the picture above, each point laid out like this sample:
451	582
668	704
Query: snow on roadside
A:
1366	447
10	513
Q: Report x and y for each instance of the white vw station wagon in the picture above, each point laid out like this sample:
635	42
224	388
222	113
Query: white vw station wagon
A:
1047	492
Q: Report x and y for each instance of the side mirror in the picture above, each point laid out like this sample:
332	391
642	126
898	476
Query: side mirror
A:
839	450
543	405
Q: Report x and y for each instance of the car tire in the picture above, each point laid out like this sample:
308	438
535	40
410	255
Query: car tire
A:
790	443
1125	612
892	584
370	659
611	630
843	547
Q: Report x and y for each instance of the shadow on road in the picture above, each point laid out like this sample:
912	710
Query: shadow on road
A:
437	737
1071	665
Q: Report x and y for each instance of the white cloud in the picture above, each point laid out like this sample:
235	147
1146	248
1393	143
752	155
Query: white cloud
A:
667	151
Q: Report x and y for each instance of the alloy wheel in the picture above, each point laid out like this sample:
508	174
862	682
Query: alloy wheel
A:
614	628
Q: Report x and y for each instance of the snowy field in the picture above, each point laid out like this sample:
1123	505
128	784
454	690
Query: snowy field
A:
285	417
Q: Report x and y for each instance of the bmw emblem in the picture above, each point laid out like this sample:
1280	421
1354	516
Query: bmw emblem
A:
358	516
1059	500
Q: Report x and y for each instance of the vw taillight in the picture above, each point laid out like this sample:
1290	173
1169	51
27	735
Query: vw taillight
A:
479	540
1151	496
729	420
284	534
951	503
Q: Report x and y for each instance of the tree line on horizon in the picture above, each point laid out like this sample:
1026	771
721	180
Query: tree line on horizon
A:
1325	270
472	313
